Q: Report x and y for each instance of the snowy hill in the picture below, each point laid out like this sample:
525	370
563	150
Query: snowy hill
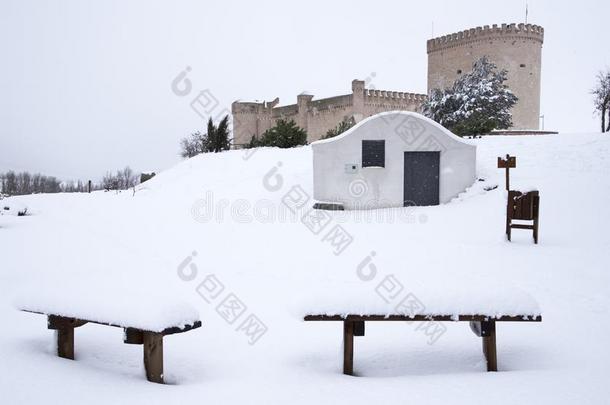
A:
231	210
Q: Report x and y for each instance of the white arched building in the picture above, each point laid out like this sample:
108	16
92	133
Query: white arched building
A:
392	159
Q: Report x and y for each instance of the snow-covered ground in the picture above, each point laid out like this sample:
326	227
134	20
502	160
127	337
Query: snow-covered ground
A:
164	241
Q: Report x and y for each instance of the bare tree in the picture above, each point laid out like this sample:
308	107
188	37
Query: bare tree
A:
193	145
129	178
23	183
601	97
109	182
10	183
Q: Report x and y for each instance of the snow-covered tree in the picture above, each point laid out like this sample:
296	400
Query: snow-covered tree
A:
285	134
601	94
477	103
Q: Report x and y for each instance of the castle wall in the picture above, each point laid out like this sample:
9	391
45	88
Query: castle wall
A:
516	48
319	116
326	114
376	101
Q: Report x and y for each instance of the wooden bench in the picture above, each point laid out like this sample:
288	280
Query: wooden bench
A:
482	326
152	341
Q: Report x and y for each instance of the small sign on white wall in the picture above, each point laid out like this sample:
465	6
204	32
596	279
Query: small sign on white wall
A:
351	168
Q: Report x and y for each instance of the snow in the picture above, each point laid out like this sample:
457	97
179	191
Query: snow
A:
454	298
11	206
149	310
227	208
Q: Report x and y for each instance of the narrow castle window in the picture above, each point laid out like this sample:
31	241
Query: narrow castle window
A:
522	65
459	71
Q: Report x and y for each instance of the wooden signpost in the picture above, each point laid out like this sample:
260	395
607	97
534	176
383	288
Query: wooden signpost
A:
507	163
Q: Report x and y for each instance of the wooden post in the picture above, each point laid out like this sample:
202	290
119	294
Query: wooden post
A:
65	342
508	163
153	356
488	333
348	347
64	334
507	177
509	210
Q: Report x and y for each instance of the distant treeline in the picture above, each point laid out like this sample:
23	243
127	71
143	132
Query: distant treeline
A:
20	183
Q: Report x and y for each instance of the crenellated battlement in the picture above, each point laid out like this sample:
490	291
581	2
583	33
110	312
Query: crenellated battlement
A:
524	31
254	107
399	96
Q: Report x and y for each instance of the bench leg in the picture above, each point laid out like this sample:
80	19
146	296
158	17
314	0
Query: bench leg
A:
348	347
64	334
65	342
488	333
536	212
153	356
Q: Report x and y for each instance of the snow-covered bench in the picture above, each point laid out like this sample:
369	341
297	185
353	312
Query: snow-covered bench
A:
483	326
144	322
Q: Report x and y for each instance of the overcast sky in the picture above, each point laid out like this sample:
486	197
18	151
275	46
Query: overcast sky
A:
86	86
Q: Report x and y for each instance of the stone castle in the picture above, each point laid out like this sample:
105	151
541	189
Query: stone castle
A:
514	47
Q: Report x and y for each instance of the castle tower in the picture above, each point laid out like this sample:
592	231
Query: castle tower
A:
358	99
516	48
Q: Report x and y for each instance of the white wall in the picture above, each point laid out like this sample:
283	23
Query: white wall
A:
383	187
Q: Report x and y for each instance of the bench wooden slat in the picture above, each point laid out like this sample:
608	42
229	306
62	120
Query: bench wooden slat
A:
423	318
522	226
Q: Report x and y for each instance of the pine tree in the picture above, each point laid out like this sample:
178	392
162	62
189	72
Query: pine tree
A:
477	103
210	137
285	134
219	140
